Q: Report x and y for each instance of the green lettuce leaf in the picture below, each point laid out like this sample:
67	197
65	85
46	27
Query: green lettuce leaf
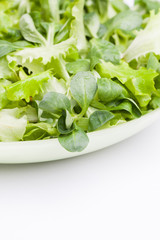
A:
80	65
148	5
127	21
77	26
54	102
92	24
30	87
50	10
39	131
12	125
98	119
29	30
76	141
44	54
8	47
102	49
140	47
83	89
109	90
140	82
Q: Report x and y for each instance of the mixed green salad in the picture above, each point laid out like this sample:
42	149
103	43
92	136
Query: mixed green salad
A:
69	67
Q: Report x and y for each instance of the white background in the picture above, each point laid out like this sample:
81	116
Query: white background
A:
112	194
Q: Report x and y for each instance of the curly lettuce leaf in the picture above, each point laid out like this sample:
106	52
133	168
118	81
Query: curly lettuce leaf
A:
148	5
140	82
77	26
50	10
12	125
140	46
39	131
44	54
30	87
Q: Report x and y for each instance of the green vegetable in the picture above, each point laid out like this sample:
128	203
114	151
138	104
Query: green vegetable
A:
140	82
109	90
29	30
80	65
12	125
62	126
83	89
98	119
102	49
54	102
140	47
148	5
76	141
8	47
70	67
39	131
126	21
27	88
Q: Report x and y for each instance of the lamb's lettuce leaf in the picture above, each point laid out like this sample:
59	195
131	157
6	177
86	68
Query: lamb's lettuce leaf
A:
83	89
8	47
102	49
29	30
75	141
98	119
126	21
109	90
80	65
54	102
92	24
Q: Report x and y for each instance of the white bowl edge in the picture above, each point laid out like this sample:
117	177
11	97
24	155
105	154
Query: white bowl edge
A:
48	150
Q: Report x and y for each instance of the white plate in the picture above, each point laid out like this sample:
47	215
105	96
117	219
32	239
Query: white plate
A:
48	150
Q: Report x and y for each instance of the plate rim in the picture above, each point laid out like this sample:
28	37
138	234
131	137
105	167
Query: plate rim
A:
37	151
89	134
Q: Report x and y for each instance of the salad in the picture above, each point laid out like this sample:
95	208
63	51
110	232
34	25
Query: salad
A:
69	67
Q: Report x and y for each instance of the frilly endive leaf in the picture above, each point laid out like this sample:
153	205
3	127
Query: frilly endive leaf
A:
147	40
30	87
44	54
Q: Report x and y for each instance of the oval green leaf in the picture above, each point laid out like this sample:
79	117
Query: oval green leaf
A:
98	119
76	141
54	102
83	88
